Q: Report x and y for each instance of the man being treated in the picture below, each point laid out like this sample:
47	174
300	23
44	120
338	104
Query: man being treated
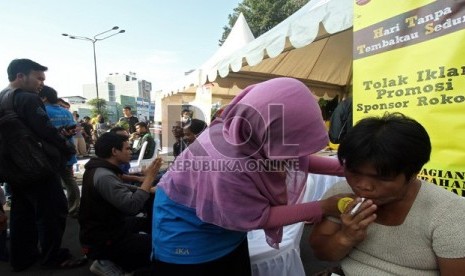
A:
405	226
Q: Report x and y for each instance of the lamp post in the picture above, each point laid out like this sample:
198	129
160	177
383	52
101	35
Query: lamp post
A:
96	38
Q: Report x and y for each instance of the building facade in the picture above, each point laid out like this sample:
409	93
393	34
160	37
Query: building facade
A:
121	90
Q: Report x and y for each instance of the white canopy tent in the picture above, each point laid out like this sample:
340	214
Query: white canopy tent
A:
239	36
191	89
313	45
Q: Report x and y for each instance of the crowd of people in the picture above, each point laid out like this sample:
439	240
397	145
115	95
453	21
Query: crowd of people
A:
193	219
38	214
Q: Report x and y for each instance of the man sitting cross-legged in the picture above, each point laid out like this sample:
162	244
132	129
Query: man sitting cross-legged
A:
109	230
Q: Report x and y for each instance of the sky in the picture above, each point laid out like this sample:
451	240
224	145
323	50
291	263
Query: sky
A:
162	39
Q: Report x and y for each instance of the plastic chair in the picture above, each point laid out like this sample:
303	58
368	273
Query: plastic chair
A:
140	163
136	165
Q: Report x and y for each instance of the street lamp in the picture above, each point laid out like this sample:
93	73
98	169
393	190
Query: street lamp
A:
94	40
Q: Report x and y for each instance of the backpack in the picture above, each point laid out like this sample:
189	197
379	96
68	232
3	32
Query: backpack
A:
24	157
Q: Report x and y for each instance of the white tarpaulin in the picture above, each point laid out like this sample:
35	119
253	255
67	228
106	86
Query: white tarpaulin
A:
287	49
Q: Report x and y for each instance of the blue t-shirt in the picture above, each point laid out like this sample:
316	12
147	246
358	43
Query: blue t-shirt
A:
125	167
180	237
60	117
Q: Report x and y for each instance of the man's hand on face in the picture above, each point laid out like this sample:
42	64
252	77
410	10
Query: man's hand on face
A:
134	136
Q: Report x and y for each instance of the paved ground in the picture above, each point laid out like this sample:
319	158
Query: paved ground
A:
311	264
70	240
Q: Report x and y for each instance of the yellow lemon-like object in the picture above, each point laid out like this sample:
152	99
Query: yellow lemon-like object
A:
343	203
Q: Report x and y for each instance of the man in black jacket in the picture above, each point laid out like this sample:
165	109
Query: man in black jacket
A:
39	209
178	134
109	230
341	121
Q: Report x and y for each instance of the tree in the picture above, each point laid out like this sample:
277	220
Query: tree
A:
102	103
262	15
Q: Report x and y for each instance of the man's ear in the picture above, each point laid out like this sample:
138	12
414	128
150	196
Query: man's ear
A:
113	151
20	76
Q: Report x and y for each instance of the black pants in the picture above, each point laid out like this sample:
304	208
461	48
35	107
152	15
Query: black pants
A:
236	263
38	215
131	252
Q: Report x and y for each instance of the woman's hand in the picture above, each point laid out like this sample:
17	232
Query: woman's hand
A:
329	205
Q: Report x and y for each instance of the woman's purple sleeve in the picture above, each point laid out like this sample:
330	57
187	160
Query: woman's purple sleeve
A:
325	165
290	214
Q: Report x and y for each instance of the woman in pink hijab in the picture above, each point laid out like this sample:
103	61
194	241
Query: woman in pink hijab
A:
244	172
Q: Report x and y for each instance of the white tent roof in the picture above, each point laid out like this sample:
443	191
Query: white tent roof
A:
239	36
287	49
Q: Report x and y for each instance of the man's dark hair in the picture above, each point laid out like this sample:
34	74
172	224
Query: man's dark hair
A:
394	144
106	142
60	100
127	107
49	93
24	66
196	126
142	124
186	110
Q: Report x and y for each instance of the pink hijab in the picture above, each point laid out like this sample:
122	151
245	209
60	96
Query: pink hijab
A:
218	174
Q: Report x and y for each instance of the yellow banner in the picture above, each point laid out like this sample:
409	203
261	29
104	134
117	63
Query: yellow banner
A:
409	57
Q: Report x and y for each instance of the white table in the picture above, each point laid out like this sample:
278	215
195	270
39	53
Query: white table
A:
320	184
286	261
267	261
